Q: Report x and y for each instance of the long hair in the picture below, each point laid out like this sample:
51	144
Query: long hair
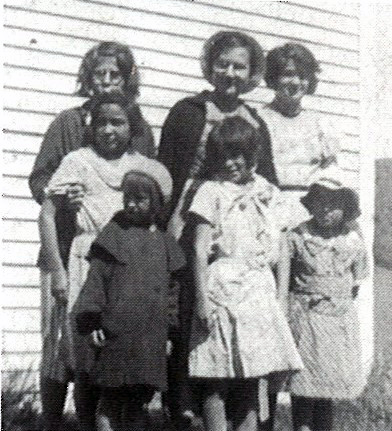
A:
125	62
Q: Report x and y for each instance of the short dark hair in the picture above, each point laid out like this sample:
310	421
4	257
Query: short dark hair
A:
346	198
223	40
132	111
232	137
125	62
305	64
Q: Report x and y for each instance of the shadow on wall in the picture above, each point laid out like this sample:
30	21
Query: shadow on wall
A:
383	257
383	214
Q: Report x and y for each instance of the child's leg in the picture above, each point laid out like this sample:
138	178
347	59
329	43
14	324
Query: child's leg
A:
110	407
214	405
302	410
133	415
53	395
86	398
268	425
323	415
244	399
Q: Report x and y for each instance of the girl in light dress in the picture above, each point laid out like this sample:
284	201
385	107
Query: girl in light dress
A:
98	169
328	265
239	332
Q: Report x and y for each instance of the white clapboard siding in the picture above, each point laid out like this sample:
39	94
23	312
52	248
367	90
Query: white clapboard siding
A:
44	42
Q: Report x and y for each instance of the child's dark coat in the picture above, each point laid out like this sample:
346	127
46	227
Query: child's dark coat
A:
126	294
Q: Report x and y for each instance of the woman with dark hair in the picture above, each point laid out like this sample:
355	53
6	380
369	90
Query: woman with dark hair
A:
233	63
303	142
108	67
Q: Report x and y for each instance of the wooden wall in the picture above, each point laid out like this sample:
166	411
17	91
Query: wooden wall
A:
44	44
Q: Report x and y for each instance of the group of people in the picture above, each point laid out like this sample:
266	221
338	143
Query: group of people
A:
219	271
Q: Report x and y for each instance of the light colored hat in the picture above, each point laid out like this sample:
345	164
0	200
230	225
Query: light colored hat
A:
257	58
157	171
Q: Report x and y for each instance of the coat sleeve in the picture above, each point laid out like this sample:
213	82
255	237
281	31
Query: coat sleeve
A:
181	133
48	160
143	141
265	166
92	298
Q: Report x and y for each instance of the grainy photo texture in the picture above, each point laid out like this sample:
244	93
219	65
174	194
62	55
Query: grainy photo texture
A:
197	218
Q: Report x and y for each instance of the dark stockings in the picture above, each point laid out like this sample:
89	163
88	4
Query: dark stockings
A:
268	425
121	409
312	414
240	398
53	395
86	402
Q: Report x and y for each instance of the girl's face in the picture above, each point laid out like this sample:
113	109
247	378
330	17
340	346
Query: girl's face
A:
290	87
137	206
236	170
111	131
231	70
327	212
107	77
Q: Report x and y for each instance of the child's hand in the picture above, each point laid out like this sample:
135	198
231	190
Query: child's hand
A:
97	338
169	347
75	196
60	285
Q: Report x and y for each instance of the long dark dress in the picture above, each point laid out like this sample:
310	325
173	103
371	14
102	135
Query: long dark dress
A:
126	294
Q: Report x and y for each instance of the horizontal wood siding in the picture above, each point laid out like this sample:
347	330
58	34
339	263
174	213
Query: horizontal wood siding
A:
44	42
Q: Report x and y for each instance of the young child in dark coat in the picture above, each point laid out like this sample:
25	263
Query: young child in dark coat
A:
124	302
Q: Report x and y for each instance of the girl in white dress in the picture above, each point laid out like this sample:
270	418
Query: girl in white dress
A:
239	332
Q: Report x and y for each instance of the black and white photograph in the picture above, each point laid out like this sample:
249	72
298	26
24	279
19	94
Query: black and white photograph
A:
197	215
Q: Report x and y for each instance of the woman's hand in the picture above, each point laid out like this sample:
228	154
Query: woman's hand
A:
75	196
97	339
60	285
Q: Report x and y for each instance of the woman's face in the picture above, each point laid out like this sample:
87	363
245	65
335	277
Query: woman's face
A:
290	87
231	71
327	212
107	77
236	170
111	131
